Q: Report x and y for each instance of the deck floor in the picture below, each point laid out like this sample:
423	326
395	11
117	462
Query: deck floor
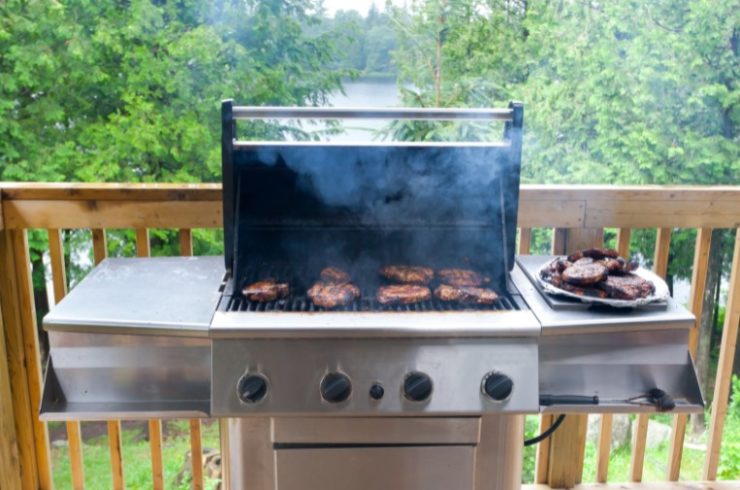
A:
723	485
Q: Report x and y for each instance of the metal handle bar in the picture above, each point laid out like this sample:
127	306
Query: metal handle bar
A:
249	112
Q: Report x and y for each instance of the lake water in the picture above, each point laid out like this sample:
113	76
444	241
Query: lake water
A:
364	93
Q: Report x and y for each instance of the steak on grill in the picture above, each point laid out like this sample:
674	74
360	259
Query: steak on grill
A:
403	294
329	296
628	286
335	275
407	274
266	290
584	275
462	277
467	295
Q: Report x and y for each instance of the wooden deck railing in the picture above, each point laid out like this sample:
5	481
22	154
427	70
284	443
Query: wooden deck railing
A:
577	214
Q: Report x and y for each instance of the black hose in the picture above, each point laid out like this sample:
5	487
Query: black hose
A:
547	433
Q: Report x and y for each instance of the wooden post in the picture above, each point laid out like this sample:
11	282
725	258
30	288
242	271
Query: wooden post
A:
724	367
542	458
566	450
698	284
660	267
59	279
9	458
24	363
525	241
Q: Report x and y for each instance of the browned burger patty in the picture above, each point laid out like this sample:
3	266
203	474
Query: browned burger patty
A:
334	275
467	295
462	277
594	253
583	291
584	275
266	290
628	286
403	294
327	295
407	274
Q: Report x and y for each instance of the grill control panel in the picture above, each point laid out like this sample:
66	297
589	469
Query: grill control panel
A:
374	376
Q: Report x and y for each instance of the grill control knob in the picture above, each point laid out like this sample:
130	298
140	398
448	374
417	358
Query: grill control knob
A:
251	388
497	386
417	387
335	387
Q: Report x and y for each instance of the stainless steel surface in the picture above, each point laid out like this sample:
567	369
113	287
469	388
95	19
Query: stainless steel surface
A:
376	468
376	430
593	320
294	370
158	296
476	453
261	325
103	376
266	112
617	366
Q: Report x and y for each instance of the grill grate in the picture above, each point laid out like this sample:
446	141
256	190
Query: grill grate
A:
303	304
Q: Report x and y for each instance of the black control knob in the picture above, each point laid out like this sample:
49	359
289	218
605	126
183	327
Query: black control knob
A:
251	388
417	387
377	391
497	386
336	387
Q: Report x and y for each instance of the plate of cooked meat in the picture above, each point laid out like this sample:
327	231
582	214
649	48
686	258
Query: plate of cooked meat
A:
601	276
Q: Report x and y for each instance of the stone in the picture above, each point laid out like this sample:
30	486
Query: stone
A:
621	430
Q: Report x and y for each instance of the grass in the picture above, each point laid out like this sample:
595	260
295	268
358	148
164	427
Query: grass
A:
137	468
137	457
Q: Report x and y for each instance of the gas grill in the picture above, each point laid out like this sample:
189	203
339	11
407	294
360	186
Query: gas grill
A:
423	396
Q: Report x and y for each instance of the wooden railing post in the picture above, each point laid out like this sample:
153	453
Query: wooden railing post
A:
9	458
24	363
660	267
724	367
698	284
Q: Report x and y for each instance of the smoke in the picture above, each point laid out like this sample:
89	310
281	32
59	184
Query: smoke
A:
360	207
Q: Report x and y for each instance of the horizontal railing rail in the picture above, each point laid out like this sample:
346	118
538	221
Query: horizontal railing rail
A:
578	216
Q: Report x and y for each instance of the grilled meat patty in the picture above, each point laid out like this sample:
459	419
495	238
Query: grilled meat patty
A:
407	274
628	286
328	295
403	294
462	277
594	253
266	290
467	295
335	275
584	275
583	291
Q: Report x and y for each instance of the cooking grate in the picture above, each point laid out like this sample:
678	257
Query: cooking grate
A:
302	303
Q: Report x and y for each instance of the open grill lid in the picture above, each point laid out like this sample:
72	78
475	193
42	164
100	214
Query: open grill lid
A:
314	204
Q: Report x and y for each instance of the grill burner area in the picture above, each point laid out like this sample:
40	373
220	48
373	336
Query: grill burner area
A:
301	303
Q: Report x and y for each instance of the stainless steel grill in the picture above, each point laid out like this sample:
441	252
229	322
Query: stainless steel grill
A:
432	393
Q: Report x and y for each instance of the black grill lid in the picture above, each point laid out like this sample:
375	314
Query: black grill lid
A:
442	204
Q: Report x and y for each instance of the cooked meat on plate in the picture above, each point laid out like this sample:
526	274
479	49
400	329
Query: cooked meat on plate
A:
585	274
403	294
467	295
407	274
266	290
462	277
628	286
599	273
